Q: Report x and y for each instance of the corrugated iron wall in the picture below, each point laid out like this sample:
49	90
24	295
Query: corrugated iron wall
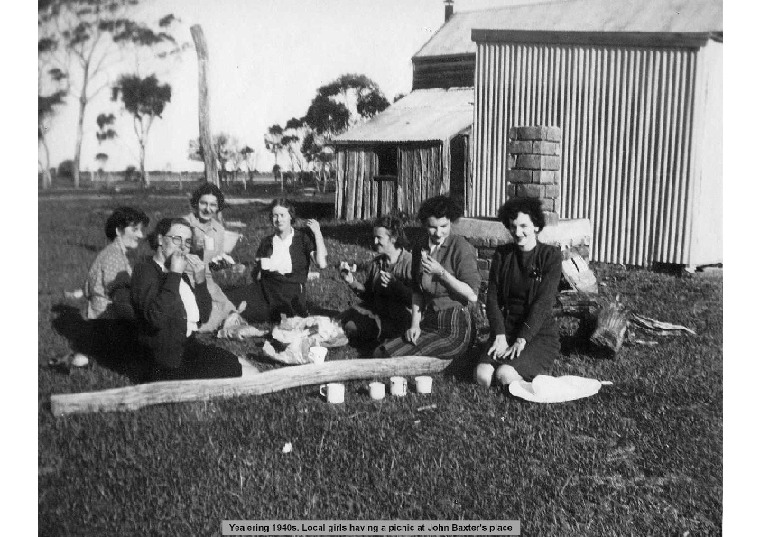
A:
625	115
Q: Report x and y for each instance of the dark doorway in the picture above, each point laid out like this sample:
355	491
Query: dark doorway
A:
458	172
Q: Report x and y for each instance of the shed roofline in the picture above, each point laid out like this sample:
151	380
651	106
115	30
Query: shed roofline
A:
640	39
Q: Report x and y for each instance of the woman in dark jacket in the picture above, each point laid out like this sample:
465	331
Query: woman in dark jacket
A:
283	262
170	304
522	288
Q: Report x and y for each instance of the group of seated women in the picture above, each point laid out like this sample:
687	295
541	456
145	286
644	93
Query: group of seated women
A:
416	299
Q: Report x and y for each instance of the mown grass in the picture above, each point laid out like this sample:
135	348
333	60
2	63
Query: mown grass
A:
643	457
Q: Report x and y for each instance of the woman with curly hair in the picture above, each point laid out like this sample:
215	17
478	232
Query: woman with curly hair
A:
522	288
446	279
207	202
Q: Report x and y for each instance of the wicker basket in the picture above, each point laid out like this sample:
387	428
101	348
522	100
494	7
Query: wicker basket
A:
232	277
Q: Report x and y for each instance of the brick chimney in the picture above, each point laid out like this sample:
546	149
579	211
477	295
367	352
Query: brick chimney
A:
448	10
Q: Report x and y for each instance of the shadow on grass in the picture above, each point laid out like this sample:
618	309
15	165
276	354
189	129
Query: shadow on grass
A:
112	344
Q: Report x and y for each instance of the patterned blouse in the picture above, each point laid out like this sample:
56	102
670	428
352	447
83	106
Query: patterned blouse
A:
107	286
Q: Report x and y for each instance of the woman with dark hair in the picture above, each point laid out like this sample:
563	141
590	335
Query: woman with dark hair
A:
283	263
207	202
170	304
107	286
446	278
386	308
522	288
109	309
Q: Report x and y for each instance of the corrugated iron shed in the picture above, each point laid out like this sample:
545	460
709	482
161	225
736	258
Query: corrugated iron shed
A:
664	16
422	116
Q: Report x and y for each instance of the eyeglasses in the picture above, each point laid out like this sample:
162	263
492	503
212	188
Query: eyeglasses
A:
177	240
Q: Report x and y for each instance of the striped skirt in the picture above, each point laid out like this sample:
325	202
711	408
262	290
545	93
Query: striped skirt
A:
444	334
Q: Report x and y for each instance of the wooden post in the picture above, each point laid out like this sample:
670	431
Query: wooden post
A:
212	174
134	397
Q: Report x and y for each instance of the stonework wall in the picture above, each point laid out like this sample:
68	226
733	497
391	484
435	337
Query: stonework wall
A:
534	164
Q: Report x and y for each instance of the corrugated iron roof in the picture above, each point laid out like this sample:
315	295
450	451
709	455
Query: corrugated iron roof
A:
661	16
423	115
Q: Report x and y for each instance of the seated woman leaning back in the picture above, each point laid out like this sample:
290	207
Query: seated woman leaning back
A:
170	297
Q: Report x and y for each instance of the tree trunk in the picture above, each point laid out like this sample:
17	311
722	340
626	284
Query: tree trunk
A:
143	173
80	134
47	180
209	161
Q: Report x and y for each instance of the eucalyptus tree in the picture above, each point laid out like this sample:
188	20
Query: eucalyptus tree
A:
82	40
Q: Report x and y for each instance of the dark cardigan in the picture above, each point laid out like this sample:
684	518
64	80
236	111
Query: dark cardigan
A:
161	316
545	276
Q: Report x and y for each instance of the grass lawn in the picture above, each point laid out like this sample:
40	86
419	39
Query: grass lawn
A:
643	457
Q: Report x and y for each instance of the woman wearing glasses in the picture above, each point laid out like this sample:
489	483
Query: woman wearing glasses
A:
171	298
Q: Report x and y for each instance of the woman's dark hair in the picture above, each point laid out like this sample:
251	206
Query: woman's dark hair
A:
439	207
395	227
283	202
207	188
124	217
163	227
530	206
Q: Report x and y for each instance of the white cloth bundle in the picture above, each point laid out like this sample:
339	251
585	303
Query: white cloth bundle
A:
547	389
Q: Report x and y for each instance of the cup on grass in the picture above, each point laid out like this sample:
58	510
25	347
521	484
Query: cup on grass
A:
334	392
398	386
423	384
376	390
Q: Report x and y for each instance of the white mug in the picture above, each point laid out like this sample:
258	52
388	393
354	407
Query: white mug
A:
317	354
376	390
423	384
333	392
398	386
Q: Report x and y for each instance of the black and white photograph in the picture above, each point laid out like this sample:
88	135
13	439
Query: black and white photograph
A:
381	267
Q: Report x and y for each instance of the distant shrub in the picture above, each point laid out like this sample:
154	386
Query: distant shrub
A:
131	174
66	169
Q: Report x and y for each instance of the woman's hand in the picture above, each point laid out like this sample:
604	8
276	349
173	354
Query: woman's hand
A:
431	266
385	278
198	267
313	225
412	334
177	263
516	348
347	276
499	347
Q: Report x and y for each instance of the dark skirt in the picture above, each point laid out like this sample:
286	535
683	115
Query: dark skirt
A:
267	299
444	334
199	361
537	356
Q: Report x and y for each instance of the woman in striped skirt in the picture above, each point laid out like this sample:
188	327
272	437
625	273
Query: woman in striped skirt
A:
446	280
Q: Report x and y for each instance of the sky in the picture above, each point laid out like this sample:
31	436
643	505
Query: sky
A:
266	60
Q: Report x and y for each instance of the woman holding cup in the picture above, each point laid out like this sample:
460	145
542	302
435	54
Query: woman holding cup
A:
522	288
446	281
170	296
283	260
386	294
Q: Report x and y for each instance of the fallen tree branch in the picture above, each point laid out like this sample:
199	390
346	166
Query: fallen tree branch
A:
142	395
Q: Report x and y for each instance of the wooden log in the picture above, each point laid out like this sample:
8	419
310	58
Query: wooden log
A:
578	304
611	325
204	128
142	395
